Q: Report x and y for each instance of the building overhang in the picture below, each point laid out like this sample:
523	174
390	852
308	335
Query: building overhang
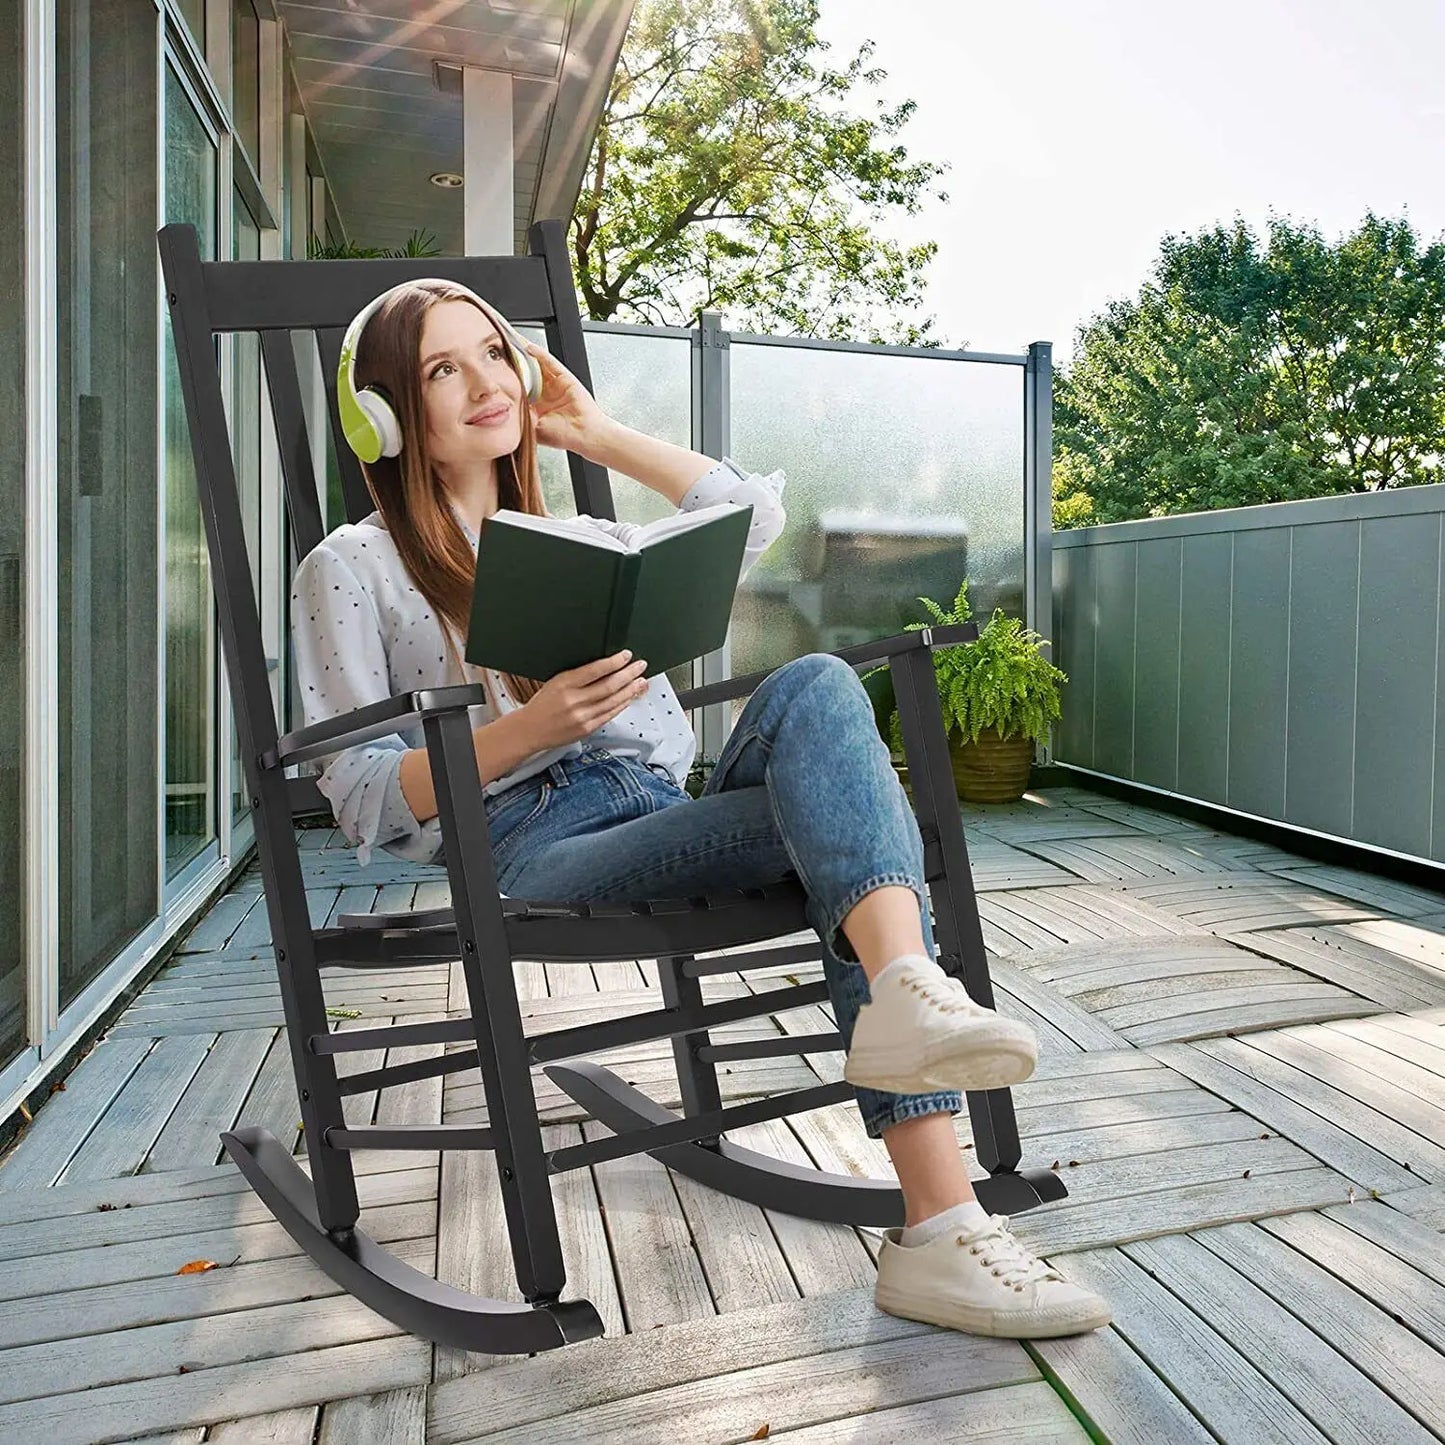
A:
381	83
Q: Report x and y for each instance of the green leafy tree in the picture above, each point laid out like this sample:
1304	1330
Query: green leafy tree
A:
1250	372
731	171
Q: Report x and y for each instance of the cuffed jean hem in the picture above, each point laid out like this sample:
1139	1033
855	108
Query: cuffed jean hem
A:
836	939
910	1106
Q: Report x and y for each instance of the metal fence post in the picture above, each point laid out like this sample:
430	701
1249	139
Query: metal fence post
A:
1039	500
711	435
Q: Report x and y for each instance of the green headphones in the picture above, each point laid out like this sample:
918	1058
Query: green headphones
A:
368	419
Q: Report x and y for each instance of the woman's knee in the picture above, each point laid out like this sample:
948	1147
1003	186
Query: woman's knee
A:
822	669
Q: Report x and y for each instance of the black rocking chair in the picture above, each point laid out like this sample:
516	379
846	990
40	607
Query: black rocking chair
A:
488	931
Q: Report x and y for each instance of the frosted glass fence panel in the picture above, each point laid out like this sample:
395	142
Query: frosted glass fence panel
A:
905	474
644	381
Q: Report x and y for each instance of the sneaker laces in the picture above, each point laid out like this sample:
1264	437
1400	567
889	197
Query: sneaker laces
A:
947	994
998	1250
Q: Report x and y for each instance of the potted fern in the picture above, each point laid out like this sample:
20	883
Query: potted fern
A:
998	694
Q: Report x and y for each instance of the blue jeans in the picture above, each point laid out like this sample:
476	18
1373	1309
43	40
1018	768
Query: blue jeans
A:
803	786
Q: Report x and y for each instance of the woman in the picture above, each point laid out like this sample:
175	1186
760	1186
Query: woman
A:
583	773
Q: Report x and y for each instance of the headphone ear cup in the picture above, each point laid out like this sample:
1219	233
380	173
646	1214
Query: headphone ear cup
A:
531	373
379	413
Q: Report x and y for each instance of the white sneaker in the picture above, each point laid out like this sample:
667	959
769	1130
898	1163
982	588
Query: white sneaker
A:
923	1032
985	1283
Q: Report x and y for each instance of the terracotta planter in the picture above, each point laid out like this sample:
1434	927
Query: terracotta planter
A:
992	770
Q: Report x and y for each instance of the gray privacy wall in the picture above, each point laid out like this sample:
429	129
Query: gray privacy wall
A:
1283	661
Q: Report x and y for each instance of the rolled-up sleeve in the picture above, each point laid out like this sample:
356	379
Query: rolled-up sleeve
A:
340	666
728	482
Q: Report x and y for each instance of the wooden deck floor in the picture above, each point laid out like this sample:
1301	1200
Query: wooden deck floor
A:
1242	1077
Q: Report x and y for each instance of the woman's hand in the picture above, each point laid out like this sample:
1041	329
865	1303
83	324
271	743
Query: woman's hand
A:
572	704
567	415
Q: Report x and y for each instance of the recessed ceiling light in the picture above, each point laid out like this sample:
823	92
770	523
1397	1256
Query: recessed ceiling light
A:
447	180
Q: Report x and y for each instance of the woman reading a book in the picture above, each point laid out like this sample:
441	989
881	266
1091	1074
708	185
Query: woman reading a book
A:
583	773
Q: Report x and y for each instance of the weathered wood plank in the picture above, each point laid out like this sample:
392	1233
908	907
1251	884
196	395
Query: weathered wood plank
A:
1118	1391
149	1352
127	1305
1004	1415
221	920
396	1417
1064	1014
1384	895
1415	1119
1334	1144
192	1133
1368	1124
1285	1013
1401	1363
1017	922
1072	1225
1241	902
822	1258
1321	1381
1235	1399
126	1223
1121	857
281	1427
835	1386
1364	968
1425	1202
1391	1247
38	1157
150	1259
555	1386
121	1140
1422	1043
114	1412
661	1278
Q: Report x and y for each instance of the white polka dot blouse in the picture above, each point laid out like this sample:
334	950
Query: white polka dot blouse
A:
362	632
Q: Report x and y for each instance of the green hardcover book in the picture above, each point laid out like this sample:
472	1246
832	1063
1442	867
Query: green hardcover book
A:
552	593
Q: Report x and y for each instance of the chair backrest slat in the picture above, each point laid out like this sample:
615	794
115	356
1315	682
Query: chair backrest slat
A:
298	476
310	295
354	494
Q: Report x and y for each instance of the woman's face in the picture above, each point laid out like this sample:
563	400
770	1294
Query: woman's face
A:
471	396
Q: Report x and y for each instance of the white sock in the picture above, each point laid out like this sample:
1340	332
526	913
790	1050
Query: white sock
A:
914	958
969	1216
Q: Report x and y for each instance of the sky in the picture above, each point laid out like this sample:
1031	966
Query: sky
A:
1079	133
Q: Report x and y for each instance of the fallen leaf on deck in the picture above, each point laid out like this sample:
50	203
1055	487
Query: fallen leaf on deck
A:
762	1433
198	1266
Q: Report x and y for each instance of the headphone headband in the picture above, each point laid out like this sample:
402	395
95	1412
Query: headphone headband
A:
368	419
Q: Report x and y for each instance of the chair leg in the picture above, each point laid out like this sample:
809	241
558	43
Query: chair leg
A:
955	902
497	1016
696	1078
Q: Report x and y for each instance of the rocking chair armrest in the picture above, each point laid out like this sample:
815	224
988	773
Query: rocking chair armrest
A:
376	720
861	653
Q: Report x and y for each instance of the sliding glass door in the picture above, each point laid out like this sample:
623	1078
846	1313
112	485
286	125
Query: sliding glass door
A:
105	476
13	992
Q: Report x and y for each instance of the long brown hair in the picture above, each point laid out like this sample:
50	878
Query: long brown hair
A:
406	489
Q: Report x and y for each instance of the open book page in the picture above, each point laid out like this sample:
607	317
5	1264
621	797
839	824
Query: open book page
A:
641	536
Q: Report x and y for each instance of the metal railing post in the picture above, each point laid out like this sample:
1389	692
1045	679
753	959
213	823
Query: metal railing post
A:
1039	499
711	434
